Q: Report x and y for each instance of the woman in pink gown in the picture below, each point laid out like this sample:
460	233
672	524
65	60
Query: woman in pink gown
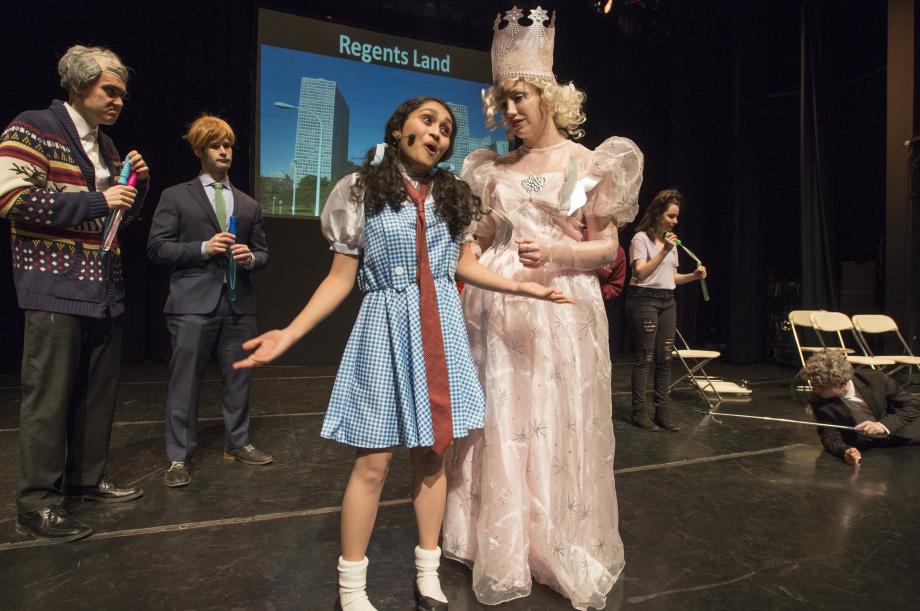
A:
532	495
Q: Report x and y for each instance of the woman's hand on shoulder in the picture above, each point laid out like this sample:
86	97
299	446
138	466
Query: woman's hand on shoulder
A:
546	293
266	348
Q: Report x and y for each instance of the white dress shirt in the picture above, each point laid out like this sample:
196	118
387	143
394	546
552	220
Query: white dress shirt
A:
852	399
89	139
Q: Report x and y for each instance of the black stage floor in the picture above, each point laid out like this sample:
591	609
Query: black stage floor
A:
736	514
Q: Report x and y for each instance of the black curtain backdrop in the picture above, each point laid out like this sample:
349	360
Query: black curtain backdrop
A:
748	326
699	153
819	263
911	331
707	88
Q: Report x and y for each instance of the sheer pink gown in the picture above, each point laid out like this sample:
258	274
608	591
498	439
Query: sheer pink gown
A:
532	495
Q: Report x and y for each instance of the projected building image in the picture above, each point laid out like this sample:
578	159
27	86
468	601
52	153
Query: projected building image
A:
319	115
321	145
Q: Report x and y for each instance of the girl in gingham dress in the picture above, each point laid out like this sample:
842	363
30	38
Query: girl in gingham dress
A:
381	397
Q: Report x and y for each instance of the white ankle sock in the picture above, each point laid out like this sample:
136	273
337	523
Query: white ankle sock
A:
427	562
352	583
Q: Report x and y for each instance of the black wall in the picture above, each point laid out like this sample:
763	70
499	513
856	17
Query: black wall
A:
708	89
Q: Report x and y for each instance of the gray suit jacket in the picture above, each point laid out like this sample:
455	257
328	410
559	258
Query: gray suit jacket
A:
184	219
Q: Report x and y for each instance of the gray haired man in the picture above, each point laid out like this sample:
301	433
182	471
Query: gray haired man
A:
57	188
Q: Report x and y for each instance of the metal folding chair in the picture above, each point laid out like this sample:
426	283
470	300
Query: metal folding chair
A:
694	361
836	323
802	318
864	324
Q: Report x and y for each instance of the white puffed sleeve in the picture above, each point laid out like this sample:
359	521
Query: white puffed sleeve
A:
617	166
478	170
342	219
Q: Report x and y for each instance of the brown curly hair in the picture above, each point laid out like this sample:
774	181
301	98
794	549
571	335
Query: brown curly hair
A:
828	369
382	185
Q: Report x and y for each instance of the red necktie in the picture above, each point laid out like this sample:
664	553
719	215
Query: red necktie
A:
432	340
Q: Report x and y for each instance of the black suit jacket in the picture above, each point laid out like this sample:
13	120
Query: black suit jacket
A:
890	405
184	219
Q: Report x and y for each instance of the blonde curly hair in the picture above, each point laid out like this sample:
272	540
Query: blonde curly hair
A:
828	369
565	102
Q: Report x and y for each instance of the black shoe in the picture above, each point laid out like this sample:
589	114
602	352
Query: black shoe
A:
641	420
247	454
424	603
666	423
663	419
177	475
107	491
52	524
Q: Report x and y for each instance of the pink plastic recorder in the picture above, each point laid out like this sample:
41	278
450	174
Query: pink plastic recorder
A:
116	219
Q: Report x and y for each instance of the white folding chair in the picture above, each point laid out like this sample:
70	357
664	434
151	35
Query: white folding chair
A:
836	323
693	362
802	318
864	324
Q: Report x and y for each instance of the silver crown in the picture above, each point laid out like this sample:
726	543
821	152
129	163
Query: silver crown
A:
523	50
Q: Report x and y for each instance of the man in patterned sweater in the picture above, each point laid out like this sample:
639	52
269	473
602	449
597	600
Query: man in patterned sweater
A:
57	175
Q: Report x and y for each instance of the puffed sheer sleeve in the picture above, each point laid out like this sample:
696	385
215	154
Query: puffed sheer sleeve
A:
610	184
342	219
617	166
478	172
590	254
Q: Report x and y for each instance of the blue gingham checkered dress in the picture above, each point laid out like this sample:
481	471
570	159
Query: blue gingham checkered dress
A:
380	396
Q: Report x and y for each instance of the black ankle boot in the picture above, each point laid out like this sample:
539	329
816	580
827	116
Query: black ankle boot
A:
663	419
641	419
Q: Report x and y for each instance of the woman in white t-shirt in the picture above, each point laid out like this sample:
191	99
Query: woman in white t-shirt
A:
650	305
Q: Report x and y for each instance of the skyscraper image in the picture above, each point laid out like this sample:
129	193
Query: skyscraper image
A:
462	146
322	130
500	145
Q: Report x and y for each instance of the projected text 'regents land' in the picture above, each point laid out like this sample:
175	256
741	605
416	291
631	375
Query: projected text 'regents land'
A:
368	53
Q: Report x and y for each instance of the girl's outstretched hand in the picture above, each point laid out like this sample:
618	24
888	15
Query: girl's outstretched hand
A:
266	348
538	291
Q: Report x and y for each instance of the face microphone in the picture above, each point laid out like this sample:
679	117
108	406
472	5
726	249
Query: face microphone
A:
410	140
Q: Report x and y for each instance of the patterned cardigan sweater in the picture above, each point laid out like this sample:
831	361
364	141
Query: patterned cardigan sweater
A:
48	193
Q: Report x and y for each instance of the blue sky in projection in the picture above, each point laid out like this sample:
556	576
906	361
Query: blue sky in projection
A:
371	91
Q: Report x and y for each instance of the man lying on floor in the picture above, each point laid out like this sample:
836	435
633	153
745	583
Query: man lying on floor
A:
883	414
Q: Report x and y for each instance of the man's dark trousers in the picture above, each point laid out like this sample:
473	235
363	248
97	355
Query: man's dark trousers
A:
194	338
65	420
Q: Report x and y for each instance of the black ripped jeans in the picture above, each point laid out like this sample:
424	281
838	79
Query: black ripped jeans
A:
652	319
